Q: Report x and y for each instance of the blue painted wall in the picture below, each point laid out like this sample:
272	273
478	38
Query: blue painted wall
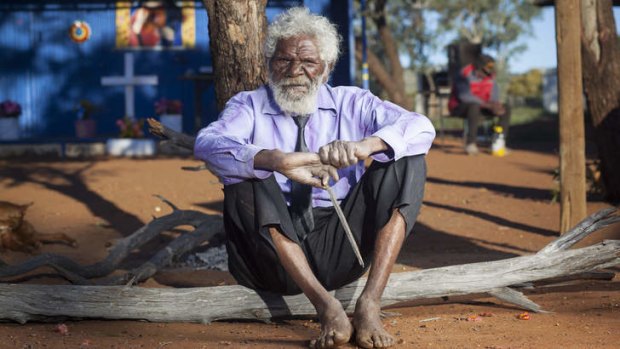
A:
48	74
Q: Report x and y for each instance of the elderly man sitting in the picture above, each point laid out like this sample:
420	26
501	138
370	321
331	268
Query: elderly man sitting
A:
276	149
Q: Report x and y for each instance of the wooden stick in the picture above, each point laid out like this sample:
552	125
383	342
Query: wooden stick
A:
345	225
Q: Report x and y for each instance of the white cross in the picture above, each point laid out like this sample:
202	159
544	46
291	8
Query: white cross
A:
129	81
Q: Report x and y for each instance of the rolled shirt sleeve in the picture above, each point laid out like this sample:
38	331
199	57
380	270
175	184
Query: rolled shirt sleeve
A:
226	145
406	133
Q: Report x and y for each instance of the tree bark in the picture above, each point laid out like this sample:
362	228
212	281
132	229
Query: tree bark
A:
601	77
236	32
572	133
22	302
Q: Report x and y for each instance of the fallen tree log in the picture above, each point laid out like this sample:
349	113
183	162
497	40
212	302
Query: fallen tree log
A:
22	303
169	135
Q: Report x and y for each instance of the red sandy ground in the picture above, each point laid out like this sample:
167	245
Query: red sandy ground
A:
476	209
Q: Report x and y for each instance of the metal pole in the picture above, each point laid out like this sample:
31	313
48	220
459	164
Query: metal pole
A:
364	47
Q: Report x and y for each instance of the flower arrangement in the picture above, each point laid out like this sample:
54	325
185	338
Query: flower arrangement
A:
168	106
10	109
130	128
84	109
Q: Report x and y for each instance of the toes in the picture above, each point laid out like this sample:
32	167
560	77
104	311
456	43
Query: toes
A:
329	339
325	341
377	339
364	341
382	340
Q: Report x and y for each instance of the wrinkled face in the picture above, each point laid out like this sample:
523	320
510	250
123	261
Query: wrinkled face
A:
296	63
296	71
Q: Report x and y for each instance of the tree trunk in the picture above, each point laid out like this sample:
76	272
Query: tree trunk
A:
601	77
236	32
572	134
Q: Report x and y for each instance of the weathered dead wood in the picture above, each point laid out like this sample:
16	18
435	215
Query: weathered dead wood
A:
206	225
169	135
22	303
179	246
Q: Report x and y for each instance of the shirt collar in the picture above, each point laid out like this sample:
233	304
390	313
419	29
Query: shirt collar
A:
325	100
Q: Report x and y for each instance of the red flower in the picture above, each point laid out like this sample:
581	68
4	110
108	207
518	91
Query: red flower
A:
10	109
130	128
168	106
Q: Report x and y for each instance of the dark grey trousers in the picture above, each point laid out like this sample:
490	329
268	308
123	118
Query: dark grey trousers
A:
474	115
252	206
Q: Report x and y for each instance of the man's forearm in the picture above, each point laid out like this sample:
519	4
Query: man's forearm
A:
374	144
268	159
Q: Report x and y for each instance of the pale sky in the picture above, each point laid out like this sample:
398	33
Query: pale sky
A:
541	51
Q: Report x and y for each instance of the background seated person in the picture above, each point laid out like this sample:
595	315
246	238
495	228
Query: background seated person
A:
475	95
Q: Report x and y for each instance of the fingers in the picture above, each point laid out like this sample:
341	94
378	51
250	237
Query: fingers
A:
291	161
324	173
324	153
338	154
333	172
316	176
306	158
316	182
334	154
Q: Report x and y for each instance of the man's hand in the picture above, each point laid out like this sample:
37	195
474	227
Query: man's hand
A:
314	175
342	154
305	168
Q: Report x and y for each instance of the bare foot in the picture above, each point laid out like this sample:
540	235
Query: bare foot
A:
368	326
336	329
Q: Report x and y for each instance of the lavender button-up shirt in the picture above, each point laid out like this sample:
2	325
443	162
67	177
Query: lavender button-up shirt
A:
252	122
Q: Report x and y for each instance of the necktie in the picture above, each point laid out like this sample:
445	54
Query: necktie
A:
301	194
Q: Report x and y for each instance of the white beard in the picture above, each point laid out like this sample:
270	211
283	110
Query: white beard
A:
292	102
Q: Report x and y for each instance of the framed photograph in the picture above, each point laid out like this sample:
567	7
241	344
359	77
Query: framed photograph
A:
155	25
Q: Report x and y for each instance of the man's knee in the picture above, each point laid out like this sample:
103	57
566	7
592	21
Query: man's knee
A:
416	162
409	200
413	168
399	171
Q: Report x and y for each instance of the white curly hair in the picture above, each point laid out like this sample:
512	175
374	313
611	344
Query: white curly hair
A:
299	21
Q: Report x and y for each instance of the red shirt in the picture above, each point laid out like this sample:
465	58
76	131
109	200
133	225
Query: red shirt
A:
470	84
